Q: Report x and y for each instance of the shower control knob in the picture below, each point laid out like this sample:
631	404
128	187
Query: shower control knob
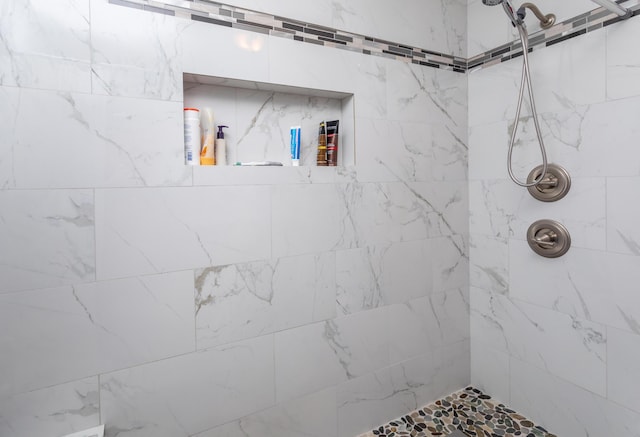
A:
548	238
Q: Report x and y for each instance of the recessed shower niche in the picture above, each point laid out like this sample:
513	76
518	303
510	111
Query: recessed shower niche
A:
260	115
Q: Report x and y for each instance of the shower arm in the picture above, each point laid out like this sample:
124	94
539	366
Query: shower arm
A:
614	7
546	21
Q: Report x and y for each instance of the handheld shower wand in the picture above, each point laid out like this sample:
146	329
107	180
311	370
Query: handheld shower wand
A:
508	9
517	19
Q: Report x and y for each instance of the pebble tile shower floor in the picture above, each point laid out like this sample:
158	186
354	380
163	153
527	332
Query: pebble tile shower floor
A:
468	411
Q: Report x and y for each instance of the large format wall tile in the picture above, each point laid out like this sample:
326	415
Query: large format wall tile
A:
382	275
48	238
57	410
150	67
310	416
373	399
246	300
158	230
317	356
236	53
307	219
622	231
189	394
622	60
86	329
9	101
593	285
45	44
541	337
623	368
567	410
97	141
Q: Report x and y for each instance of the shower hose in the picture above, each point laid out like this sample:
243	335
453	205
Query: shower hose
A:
526	81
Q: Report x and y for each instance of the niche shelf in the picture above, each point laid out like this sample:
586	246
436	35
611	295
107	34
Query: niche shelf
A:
259	116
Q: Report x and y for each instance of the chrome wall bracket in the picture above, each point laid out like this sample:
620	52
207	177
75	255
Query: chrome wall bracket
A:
554	186
548	238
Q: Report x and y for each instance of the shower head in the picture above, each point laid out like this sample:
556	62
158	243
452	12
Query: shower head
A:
508	9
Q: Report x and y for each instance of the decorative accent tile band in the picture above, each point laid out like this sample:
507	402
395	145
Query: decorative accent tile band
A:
573	27
230	16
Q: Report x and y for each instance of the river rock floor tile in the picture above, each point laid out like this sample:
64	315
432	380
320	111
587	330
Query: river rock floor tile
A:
469	411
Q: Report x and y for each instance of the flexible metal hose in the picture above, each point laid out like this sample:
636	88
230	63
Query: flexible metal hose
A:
526	81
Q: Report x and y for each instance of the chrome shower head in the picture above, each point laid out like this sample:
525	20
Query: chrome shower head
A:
492	2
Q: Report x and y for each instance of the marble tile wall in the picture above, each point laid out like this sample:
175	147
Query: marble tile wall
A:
170	301
557	338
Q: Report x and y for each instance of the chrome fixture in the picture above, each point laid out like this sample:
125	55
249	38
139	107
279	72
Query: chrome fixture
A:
554	186
614	7
548	238
517	19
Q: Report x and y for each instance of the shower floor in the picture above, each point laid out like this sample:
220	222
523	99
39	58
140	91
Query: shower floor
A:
468	411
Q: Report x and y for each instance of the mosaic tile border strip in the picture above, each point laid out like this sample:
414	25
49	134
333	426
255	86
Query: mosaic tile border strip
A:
571	28
237	18
467	411
230	16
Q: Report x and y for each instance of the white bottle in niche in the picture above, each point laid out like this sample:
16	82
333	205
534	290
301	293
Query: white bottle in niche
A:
221	147
191	136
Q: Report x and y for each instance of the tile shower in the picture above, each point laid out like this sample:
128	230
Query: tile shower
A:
163	300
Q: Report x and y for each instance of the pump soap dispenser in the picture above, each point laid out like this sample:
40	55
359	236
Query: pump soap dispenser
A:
221	147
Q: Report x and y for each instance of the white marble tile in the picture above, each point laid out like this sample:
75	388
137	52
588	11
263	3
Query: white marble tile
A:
489	370
236	54
622	215
133	81
381	275
489	263
245	300
316	67
246	175
191	393
502	209
58	410
310	416
402	150
62	29
541	337
168	229
9	102
317	356
25	70
449	205
563	76
308	359
423	94
450	262
425	324
623	370
567	410
138	58
307	219
384	212
100	141
593	285
48	238
374	399
82	330
622	60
